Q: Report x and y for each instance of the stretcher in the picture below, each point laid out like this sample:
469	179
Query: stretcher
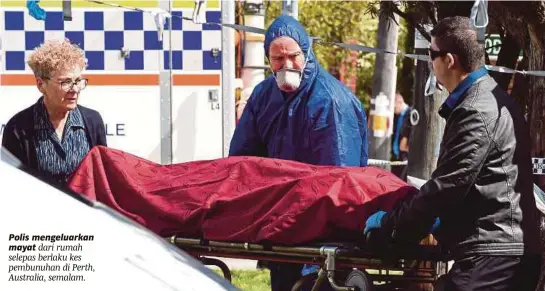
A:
256	200
345	266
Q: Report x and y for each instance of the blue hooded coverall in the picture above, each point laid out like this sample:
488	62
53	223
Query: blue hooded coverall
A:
321	123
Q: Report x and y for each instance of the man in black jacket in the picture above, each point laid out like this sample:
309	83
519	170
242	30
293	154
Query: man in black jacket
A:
481	190
53	136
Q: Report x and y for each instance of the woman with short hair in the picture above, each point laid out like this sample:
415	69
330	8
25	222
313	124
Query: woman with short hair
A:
54	134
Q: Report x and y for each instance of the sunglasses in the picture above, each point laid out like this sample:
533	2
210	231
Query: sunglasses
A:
435	54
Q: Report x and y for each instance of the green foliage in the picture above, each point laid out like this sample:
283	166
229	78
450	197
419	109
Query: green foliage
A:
250	280
340	21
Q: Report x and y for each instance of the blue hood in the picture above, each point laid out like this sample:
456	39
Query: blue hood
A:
287	26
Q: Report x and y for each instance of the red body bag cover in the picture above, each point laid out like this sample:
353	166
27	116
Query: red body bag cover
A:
245	199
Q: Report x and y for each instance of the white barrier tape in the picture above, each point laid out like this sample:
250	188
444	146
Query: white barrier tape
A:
479	11
431	84
160	16
500	69
512	71
234	26
424	58
356	47
533	73
374	162
117	5
242	27
199	16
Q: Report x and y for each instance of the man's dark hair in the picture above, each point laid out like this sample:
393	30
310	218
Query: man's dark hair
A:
456	36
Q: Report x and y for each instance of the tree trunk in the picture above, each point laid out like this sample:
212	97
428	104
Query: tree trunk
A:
453	8
384	82
536	61
520	87
406	79
426	135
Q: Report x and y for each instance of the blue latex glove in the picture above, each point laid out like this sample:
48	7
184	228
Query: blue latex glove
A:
309	269
35	10
435	225
374	221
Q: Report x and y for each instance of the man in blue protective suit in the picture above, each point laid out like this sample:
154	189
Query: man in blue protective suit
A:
300	113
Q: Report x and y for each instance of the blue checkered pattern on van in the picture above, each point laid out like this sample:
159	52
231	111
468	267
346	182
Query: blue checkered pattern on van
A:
102	34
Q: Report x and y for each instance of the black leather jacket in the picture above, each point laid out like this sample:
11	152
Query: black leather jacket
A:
482	188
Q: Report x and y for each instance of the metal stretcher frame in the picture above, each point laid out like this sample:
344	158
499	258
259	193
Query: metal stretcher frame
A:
332	257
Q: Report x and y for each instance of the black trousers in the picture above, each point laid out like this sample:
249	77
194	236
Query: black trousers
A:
493	273
285	275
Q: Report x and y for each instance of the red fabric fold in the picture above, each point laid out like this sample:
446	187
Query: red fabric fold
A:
247	199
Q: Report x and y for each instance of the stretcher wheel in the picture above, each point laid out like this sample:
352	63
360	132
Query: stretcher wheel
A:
359	280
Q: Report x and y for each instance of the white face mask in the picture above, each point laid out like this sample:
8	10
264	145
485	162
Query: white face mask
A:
288	80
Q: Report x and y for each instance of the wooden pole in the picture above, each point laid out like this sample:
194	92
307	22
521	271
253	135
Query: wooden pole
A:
384	83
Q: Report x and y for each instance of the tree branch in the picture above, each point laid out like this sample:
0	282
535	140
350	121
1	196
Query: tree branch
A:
412	22
431	8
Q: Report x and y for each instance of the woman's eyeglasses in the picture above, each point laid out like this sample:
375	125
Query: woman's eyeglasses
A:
67	85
